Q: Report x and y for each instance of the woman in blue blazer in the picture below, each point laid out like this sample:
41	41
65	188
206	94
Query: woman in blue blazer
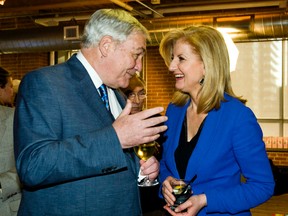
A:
211	133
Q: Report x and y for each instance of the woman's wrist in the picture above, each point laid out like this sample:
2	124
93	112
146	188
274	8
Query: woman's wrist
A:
203	200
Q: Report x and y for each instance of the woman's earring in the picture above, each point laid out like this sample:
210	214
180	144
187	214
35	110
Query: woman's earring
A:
201	81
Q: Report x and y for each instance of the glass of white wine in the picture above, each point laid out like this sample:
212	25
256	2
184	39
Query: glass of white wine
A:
145	151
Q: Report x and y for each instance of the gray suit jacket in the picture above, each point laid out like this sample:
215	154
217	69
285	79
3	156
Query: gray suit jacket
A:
10	186
68	155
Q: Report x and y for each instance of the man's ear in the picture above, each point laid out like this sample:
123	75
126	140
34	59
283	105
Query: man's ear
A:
105	44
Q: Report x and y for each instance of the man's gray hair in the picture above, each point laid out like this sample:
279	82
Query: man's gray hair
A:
118	24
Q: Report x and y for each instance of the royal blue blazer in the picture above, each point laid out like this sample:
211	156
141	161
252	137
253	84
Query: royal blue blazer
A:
230	145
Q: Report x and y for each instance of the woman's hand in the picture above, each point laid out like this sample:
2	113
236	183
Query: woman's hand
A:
190	208
167	190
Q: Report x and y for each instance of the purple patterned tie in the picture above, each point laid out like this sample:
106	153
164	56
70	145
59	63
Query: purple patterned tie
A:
104	96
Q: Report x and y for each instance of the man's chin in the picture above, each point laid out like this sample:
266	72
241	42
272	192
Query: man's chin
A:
125	83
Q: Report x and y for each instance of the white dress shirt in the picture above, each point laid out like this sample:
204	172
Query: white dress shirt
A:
113	102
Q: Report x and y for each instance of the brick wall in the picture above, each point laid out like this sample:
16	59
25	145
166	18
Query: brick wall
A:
160	82
277	149
279	158
20	64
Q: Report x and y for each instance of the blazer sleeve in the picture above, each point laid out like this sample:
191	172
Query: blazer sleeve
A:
251	157
9	181
10	184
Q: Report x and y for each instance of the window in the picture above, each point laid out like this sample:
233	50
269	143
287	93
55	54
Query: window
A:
261	78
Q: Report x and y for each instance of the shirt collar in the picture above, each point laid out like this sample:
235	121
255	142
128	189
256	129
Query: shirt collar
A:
92	73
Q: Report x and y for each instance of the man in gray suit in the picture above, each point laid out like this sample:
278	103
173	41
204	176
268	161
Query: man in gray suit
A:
10	191
74	154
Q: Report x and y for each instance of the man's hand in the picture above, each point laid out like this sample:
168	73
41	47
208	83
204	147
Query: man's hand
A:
150	168
139	128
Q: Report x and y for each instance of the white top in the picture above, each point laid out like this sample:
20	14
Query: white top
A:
113	102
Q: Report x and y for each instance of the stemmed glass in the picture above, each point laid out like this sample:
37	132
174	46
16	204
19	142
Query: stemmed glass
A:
145	151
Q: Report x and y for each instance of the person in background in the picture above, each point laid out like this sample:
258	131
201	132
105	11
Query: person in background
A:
137	94
74	136
6	88
16	83
211	133
10	188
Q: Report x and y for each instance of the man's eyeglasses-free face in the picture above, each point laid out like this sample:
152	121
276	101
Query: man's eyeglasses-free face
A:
140	95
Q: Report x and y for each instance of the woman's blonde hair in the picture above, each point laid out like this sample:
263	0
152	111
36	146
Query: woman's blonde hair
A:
209	45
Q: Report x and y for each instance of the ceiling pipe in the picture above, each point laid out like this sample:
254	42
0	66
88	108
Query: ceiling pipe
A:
188	7
251	28
54	21
36	40
271	26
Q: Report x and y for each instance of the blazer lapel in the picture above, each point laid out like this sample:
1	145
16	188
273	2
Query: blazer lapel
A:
176	118
201	151
87	90
120	98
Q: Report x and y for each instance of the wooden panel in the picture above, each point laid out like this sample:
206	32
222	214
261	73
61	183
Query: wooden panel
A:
276	205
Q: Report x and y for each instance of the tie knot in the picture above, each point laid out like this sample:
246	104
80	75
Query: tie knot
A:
104	95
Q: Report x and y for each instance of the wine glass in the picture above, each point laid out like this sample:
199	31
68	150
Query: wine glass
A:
145	151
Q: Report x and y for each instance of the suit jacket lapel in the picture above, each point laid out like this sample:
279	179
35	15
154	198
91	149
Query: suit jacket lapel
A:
87	89
120	98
